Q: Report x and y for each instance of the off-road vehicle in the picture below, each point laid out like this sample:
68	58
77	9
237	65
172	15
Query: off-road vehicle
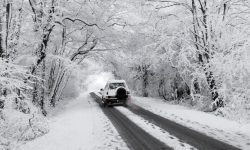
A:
115	92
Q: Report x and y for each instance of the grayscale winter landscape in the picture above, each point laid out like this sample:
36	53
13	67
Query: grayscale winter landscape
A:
124	74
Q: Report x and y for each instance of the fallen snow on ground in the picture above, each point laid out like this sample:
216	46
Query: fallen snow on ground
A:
220	128
156	131
78	125
17	127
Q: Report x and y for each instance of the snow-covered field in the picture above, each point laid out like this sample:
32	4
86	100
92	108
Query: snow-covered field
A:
78	125
220	128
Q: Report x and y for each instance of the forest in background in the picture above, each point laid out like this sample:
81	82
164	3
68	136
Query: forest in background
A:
186	51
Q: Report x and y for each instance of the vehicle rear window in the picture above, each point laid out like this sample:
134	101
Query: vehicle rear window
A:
116	85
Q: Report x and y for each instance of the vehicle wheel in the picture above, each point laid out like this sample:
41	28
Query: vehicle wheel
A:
110	105
125	104
104	102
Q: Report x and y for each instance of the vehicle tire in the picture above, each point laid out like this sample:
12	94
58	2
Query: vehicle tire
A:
125	104
104	102
110	105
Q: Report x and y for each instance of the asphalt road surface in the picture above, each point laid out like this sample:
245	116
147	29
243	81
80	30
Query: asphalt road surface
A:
138	139
186	135
134	136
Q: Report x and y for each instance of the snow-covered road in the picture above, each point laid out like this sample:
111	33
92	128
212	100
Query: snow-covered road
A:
78	125
174	135
219	128
136	137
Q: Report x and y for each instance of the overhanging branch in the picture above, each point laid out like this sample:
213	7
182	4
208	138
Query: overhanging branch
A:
84	22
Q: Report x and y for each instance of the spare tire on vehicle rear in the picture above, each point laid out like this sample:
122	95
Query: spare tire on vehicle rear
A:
121	93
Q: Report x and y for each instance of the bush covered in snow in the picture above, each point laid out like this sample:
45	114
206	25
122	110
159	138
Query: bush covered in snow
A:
20	120
231	68
17	127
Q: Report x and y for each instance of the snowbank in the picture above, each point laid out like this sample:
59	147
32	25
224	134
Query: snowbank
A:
17	127
78	124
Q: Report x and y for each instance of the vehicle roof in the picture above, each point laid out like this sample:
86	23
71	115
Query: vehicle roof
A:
116	81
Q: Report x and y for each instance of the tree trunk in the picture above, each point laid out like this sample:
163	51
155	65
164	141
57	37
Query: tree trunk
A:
1	38
42	101
35	94
145	81
201	38
8	23
57	85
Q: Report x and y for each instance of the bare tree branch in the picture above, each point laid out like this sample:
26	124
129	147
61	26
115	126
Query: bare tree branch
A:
84	22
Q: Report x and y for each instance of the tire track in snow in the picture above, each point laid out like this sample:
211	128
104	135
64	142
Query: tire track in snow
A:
107	135
187	135
184	134
134	136
156	131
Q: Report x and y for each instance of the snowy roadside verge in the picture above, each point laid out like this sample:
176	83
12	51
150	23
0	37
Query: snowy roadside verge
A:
220	128
81	125
17	127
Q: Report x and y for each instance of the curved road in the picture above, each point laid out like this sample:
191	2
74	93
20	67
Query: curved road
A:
138	139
